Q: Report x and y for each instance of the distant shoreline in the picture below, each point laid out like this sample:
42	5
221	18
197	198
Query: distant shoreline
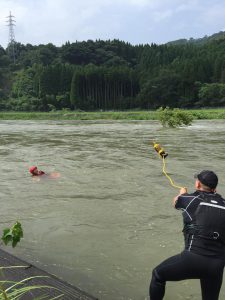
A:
198	114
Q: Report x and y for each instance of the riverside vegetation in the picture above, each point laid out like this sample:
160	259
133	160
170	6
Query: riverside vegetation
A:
197	114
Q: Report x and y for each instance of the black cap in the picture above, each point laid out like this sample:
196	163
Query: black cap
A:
208	178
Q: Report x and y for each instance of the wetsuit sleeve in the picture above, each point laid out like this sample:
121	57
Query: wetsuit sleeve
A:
181	203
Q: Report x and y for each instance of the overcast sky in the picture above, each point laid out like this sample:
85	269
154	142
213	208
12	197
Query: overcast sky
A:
133	21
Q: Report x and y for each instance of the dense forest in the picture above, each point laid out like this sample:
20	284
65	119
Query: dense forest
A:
113	75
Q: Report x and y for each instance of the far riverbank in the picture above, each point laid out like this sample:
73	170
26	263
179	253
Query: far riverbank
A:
198	114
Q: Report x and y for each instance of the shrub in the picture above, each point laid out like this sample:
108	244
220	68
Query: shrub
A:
174	117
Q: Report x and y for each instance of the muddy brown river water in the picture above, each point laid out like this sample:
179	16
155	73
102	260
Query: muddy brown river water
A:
108	220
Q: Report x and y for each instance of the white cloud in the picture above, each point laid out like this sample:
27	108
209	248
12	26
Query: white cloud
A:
214	15
135	21
191	5
162	15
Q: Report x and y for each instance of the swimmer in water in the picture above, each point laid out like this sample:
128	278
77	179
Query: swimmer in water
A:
35	172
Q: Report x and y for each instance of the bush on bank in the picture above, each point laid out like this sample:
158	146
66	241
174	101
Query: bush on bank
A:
174	117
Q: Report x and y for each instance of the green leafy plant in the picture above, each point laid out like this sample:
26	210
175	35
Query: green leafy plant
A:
13	234
11	290
174	117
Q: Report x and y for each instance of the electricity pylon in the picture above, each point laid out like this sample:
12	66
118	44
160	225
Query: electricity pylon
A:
12	42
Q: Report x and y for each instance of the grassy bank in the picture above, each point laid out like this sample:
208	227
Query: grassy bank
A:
73	115
198	114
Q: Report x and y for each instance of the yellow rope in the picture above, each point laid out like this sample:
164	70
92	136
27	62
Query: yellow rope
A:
170	179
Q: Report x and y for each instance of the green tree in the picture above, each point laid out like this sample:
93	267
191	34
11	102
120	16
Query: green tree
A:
174	117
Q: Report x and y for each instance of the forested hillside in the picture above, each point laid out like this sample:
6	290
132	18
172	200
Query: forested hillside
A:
113	75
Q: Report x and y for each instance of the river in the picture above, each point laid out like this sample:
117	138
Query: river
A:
108	220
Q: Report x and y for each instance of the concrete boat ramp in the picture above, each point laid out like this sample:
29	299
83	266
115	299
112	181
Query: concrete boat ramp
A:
56	288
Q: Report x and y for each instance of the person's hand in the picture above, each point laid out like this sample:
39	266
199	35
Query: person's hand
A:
183	190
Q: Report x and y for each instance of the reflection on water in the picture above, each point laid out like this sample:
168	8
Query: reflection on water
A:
108	220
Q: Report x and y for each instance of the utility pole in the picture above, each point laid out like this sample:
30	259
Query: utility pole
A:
12	43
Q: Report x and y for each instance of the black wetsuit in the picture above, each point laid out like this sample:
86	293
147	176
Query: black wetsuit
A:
203	257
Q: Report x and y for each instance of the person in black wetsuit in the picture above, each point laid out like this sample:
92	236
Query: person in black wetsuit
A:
204	235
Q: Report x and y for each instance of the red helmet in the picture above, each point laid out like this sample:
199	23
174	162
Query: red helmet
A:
32	169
